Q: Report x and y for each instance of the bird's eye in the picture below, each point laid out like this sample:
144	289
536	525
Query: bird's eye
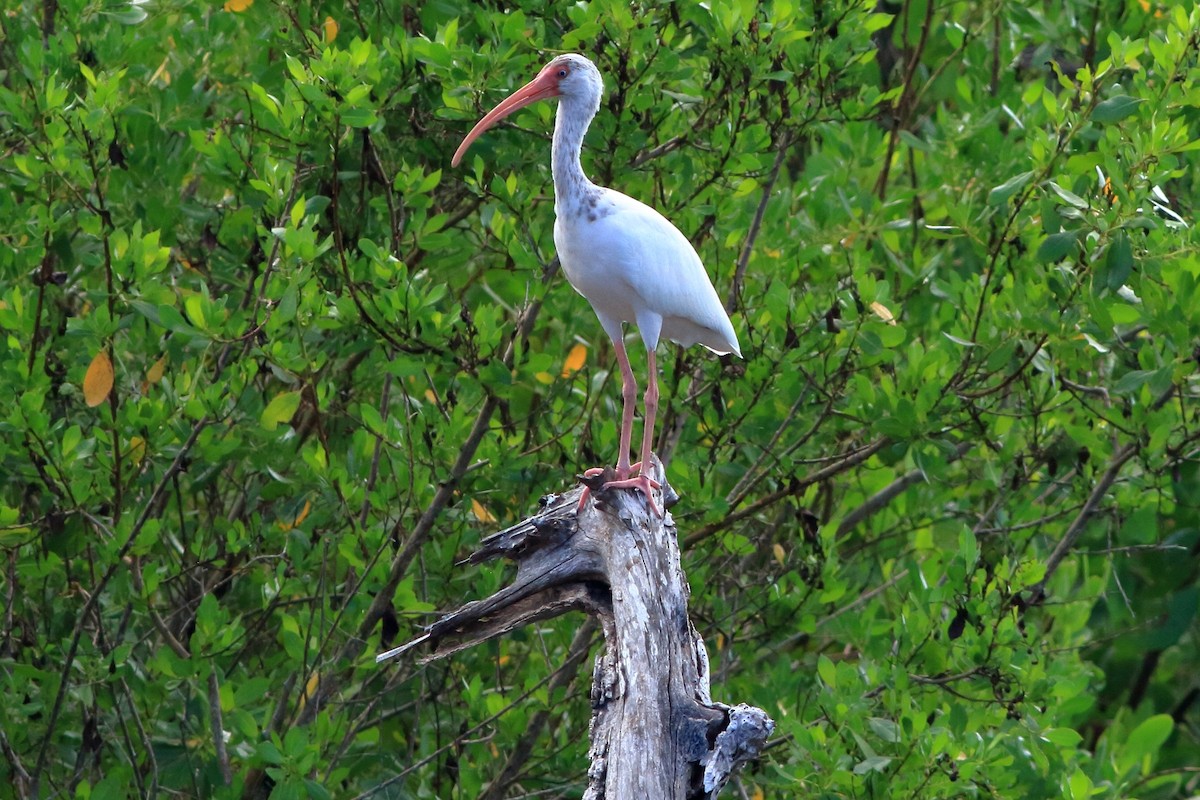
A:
562	73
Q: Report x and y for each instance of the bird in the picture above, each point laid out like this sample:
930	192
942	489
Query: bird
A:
625	258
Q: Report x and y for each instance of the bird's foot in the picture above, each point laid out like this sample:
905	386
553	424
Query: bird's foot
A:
642	482
587	477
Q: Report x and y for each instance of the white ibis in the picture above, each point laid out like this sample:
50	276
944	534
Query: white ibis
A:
630	263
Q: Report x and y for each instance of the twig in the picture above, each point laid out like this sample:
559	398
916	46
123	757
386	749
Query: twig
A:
903	106
580	646
117	562
218	726
456	742
866	596
1076	527
793	487
658	152
888	493
739	275
22	782
424	527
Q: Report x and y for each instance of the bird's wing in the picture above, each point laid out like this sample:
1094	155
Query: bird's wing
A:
664	271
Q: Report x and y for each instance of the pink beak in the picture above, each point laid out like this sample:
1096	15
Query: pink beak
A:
543	86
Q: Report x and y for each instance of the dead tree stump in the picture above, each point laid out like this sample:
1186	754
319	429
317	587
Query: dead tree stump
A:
655	730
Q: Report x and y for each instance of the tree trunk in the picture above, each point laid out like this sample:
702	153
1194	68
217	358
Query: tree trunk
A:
655	731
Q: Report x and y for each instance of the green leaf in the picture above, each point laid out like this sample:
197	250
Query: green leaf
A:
1001	194
872	764
827	670
129	16
877	22
968	548
194	305
1068	197
1056	246
885	729
297	212
1063	737
296	69
1115	109
1148	737
1118	262
1080	785
172	320
1131	381
372	419
359	117
316	205
281	409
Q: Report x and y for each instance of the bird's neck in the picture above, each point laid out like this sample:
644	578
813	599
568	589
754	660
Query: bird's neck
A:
571	186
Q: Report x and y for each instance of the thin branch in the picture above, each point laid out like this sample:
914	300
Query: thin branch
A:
880	499
1073	532
580	646
454	743
904	103
424	527
658	152
22	782
218	726
739	275
118	561
793	487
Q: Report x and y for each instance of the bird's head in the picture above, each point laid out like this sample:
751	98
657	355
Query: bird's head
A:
571	77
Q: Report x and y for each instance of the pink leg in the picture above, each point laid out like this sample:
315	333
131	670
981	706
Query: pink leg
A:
629	398
643	481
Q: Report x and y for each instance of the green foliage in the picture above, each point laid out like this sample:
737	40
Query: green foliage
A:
941	520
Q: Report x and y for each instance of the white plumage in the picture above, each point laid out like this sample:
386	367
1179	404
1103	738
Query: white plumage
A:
628	260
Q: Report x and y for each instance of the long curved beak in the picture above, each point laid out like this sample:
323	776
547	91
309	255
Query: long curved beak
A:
543	86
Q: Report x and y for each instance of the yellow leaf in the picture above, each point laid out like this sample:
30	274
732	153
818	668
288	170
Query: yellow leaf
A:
758	794
780	555
98	381
1107	190
285	525
883	313
720	642
431	396
331	29
481	513
137	449
238	6
155	373
310	688
281	409
162	73
543	377
575	360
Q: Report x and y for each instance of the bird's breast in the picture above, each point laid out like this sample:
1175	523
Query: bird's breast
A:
594	260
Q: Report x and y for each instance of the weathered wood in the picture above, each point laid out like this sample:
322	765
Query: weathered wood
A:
655	731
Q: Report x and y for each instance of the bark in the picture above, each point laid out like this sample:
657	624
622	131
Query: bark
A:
655	729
